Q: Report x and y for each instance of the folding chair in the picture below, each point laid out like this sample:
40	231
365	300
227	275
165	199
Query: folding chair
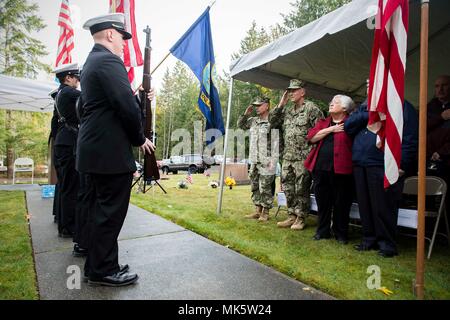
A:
23	165
435	186
3	168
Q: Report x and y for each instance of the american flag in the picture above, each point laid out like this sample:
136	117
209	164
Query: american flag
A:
189	178
387	83
132	56
65	41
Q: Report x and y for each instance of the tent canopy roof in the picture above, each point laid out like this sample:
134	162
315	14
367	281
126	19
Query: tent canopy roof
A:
26	94
333	53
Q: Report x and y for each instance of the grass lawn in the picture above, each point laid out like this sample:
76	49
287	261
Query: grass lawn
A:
17	274
336	269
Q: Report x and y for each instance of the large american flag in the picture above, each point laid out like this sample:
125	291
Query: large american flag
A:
387	83
65	41
132	56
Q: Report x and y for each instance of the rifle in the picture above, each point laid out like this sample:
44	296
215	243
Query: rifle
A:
151	171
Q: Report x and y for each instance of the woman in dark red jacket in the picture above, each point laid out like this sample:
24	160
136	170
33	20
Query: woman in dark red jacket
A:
330	163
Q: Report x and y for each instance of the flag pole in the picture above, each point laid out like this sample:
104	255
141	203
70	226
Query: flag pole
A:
159	64
420	259
224	162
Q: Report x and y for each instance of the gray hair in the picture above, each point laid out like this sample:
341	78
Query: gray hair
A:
347	103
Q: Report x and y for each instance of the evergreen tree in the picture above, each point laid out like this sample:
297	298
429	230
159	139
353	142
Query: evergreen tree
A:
306	11
19	51
19	56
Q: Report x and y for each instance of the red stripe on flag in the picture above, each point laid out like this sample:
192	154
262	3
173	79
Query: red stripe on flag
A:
132	54
131	75
387	81
65	40
137	49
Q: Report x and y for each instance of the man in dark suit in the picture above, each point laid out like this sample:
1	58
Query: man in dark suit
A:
110	126
65	146
438	133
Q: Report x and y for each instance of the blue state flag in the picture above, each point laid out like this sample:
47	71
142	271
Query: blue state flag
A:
195	48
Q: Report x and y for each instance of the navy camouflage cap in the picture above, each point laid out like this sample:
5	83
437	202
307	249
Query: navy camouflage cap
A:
295	84
260	100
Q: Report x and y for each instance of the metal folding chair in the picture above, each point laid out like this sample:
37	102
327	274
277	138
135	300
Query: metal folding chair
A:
23	165
435	186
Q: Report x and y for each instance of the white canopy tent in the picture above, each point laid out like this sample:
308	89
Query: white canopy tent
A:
26	94
332	54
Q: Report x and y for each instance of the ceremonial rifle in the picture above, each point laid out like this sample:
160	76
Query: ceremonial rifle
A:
150	172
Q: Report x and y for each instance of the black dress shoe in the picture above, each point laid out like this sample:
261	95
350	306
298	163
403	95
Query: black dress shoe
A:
79	251
364	247
122	269
116	280
319	237
387	253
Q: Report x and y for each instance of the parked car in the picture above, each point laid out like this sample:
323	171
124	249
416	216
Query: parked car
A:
193	163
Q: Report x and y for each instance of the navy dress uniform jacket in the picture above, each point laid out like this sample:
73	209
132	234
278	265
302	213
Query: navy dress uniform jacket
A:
67	130
111	122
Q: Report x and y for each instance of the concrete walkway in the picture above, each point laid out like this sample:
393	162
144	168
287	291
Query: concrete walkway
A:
172	263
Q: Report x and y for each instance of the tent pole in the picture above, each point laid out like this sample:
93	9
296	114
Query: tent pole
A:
225	146
420	259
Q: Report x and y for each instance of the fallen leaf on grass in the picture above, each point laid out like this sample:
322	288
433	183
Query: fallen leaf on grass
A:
28	216
385	290
169	206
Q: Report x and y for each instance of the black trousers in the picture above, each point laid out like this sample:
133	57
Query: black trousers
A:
56	199
106	216
84	202
56	202
378	207
334	196
68	182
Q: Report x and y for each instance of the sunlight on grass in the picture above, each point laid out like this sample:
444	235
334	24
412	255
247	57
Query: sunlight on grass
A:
333	268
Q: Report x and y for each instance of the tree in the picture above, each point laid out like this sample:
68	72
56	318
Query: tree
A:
19	53
243	93
178	106
305	11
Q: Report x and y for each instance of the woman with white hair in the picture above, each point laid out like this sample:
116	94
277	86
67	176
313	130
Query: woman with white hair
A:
330	163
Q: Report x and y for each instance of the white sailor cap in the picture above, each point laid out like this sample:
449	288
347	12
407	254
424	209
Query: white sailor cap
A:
66	69
108	21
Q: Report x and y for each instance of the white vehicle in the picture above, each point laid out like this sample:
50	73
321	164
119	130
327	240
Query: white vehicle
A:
218	159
